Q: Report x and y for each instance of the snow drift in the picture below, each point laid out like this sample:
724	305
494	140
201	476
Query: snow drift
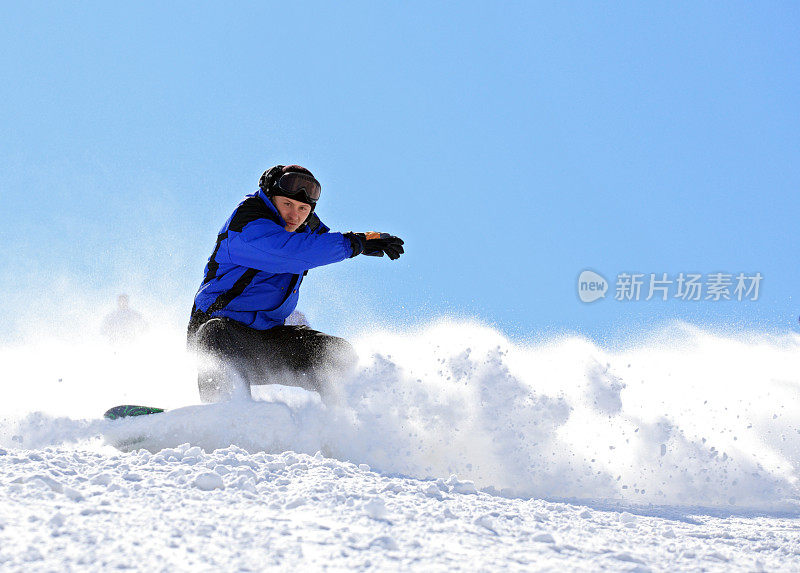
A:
682	417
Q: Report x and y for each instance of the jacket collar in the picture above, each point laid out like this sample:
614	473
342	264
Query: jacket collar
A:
263	196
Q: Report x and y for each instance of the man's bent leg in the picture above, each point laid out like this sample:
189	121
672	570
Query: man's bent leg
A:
228	361
301	356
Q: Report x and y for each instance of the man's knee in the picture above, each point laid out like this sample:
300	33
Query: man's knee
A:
339	353
335	351
306	349
214	336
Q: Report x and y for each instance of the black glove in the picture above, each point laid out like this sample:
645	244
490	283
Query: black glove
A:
375	244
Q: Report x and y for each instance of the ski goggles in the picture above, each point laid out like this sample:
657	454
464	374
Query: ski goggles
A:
291	184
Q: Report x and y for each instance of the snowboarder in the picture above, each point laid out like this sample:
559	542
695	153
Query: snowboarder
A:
125	324
251	285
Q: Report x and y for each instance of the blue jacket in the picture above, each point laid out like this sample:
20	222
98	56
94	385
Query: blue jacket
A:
254	274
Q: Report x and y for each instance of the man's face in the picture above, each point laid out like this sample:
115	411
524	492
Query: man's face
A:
293	212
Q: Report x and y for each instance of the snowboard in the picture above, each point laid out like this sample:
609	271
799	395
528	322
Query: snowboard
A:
125	438
127	410
253	425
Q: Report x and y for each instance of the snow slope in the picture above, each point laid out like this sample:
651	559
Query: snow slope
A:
184	509
459	449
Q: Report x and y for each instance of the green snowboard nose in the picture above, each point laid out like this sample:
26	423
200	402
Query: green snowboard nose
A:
127	411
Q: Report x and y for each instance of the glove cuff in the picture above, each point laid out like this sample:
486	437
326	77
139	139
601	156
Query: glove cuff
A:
356	243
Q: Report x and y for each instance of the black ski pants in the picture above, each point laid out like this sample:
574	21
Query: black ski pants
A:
235	357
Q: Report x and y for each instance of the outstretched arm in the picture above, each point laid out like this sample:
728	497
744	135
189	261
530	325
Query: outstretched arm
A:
266	246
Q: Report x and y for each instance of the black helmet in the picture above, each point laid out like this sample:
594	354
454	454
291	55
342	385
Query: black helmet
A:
291	181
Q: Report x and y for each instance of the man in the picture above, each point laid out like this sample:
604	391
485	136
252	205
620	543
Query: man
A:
251	285
124	324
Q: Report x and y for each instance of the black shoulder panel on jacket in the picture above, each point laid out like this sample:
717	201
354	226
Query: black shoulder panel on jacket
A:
249	210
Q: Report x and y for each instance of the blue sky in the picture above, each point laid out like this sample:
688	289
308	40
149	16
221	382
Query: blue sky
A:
512	145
